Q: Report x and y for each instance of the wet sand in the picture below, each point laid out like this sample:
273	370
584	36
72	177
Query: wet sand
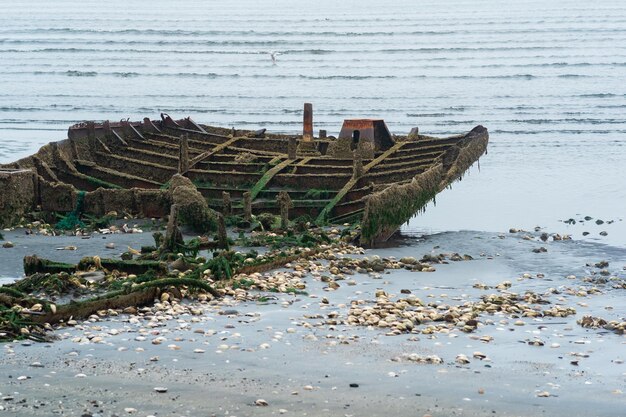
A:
284	351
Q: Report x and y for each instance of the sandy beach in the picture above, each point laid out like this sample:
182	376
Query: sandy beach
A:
287	353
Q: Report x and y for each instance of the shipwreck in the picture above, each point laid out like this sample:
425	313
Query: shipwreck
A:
365	174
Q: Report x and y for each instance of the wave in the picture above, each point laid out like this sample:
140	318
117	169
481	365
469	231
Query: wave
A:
214	75
601	95
558	131
255	33
126	74
429	114
74	73
590	121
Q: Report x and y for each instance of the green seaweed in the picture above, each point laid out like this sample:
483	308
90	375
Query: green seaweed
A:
33	264
12	292
389	215
72	220
119	284
139	266
220	267
55	283
317	194
267	176
103	184
243	283
15	326
191	248
99	222
305	239
166	185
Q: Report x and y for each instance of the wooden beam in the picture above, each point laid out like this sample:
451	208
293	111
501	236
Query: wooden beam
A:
325	213
205	155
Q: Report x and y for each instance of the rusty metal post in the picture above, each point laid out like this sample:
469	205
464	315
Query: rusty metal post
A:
227	205
247	206
292	148
307	146
307	127
183	157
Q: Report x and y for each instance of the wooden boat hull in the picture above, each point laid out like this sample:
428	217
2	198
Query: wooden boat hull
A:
107	160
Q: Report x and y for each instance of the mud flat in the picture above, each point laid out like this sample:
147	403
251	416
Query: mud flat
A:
302	354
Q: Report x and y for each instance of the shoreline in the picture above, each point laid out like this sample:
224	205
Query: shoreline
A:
301	352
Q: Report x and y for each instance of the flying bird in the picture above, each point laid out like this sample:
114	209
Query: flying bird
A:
274	54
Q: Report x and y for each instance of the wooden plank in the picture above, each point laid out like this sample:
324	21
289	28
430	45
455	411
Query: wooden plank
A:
325	213
117	135
197	126
205	155
258	187
304	161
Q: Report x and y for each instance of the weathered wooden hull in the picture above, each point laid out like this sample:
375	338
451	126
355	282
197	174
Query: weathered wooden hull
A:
123	167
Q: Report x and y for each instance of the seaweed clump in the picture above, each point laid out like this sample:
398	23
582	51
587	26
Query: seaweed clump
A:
193	209
388	209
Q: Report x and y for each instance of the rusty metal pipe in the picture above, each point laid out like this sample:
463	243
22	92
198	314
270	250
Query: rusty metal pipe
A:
307	125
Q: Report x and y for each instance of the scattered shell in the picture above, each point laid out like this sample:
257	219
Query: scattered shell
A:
462	359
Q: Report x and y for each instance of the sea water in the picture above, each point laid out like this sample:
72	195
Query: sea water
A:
547	78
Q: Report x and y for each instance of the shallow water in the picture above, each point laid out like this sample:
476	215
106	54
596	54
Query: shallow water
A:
546	78
506	384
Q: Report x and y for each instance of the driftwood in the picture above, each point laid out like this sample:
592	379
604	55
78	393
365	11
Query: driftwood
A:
80	310
143	294
34	264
